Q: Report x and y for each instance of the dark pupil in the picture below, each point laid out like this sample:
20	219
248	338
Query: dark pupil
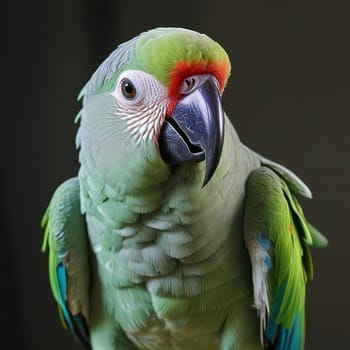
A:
189	83
129	89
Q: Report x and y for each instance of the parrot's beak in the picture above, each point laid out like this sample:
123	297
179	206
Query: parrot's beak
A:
195	130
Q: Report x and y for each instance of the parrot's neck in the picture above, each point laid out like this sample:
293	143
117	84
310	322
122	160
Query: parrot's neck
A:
141	188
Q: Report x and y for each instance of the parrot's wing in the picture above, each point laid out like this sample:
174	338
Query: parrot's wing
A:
277	236
66	240
292	180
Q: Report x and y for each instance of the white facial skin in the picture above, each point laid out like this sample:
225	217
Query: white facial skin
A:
141	101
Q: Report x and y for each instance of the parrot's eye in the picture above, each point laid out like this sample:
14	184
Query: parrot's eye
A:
188	85
128	89
192	83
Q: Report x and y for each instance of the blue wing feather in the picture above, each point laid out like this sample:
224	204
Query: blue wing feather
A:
76	323
277	336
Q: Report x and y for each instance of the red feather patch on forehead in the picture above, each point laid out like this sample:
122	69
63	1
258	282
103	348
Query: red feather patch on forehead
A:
184	69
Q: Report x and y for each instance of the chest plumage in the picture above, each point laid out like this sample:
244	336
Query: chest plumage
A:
166	260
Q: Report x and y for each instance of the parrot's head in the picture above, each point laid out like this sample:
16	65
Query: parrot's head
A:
155	103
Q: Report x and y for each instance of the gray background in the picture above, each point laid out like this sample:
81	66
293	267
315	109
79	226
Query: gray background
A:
288	98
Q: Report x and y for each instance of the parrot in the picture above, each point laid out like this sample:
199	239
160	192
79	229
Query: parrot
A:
174	234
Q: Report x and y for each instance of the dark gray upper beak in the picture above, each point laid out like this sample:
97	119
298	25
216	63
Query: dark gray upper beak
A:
195	130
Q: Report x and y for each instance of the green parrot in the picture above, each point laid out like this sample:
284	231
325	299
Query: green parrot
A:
175	235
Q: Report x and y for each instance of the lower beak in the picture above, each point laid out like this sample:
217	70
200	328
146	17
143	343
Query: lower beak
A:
195	130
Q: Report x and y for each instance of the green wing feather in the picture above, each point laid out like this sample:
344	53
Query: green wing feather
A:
66	240
278	238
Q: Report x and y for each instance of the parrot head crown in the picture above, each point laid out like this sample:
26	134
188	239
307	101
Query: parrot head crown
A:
174	54
166	84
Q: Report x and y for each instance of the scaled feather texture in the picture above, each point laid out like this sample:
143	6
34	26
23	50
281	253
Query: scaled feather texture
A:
175	235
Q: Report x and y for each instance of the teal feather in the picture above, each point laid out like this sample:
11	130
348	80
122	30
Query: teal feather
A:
278	336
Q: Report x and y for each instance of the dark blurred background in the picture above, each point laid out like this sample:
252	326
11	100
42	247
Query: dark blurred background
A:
288	97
